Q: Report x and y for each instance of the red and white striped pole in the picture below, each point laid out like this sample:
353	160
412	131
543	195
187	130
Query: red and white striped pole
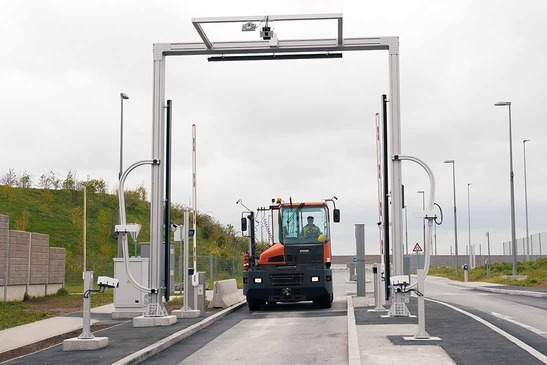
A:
379	177
194	196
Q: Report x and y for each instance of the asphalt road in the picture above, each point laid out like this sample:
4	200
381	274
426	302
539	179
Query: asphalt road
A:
299	333
528	312
513	327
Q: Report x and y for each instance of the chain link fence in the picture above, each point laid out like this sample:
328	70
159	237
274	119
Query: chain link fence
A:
538	247
215	268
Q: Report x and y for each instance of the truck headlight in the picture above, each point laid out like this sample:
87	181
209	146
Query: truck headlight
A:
258	280
315	279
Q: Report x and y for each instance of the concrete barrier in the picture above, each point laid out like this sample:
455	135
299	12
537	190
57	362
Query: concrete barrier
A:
225	294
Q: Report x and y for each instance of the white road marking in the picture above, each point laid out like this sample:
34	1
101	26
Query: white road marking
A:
538	355
509	319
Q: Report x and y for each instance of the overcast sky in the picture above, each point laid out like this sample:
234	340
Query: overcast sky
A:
300	129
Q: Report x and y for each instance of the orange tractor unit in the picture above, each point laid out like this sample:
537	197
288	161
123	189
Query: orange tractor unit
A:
297	265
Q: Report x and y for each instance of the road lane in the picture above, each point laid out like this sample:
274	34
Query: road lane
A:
300	333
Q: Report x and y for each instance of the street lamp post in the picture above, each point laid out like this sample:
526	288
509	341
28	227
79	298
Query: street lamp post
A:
455	216
526	203
423	207
512	188
469	226
122	98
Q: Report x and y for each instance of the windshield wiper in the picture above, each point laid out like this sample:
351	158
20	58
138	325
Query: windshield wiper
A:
296	211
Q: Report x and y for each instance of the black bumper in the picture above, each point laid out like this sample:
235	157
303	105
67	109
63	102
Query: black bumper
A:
284	286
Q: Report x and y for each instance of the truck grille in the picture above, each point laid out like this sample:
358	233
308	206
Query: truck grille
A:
289	279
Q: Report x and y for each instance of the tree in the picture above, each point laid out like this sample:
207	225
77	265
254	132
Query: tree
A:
48	200
141	191
95	186
25	181
70	181
8	192
10	178
49	180
23	223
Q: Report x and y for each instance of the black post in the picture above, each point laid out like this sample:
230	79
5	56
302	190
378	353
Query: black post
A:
253	238
167	224
385	203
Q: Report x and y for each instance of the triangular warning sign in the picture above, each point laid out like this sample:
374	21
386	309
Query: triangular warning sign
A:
417	248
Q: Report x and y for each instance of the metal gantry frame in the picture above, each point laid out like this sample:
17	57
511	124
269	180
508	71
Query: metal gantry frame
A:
261	47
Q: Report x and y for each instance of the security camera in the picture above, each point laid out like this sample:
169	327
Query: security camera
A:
400	282
266	33
108	282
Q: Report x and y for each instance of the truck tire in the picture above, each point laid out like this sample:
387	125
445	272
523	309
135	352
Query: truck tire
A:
325	301
254	304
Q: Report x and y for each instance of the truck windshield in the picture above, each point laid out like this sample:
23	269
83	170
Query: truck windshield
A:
304	224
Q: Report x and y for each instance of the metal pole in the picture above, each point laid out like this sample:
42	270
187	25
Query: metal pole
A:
121	138
167	224
423	208
406	229
395	178
451	257
512	189
85	230
422	333
181	277
86	327
122	98
156	191
360	250
526	202
488	266
194	199
385	204
186	239
435	230
469	224
455	215
512	180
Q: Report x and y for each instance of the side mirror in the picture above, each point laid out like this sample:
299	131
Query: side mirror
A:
336	215
243	224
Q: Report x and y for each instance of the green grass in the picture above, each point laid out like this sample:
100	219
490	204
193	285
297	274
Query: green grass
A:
66	300
536	271
18	313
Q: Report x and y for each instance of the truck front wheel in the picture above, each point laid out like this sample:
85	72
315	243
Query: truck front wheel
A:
325	301
254	304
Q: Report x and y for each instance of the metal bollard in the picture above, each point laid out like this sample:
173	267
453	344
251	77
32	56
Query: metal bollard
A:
375	275
88	286
378	289
465	273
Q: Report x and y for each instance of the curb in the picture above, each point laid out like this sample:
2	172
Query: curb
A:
354	354
524	293
169	341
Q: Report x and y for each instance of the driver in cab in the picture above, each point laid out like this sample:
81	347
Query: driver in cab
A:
310	230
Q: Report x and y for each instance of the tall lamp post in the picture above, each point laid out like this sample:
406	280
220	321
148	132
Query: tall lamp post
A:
423	207
469	225
526	203
512	188
455	215
122	98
